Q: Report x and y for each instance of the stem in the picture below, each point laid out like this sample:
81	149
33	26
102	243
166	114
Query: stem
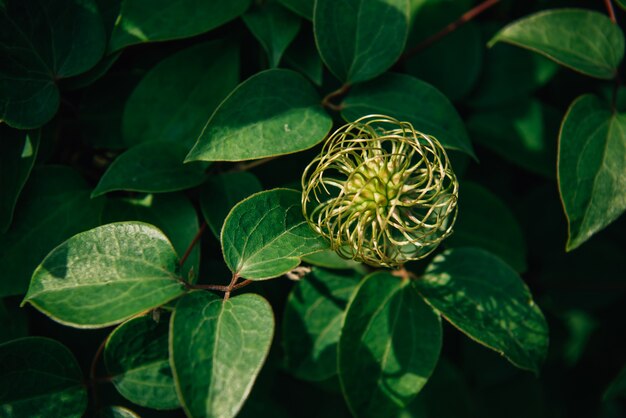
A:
231	286
610	10
326	101
193	243
466	17
92	373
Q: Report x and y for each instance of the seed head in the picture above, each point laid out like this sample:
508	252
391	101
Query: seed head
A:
381	192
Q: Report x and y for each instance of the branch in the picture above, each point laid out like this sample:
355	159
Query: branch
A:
192	244
326	101
610	10
466	17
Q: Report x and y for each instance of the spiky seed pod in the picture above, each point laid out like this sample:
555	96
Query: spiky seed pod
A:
381	192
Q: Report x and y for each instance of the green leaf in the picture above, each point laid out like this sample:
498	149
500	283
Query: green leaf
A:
487	300
101	109
274	27
13	321
312	323
265	235
173	214
453	63
282	115
160	20
409	99
621	3
18	151
174	100
39	377
592	160
42	42
617	388
359	40
302	7
330	259
583	40
510	75
217	348
152	167
136	355
524	134
447	395
302	56
53	206
106	275
116	412
222	192
390	343
485	221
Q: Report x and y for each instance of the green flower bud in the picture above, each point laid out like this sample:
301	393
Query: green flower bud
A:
381	192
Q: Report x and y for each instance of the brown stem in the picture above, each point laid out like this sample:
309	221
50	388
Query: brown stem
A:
327	100
219	287
192	244
466	17
92	373
231	286
610	10
403	273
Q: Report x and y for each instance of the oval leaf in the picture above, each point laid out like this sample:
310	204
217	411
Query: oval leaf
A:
359	40
222	192
106	275
390	343
302	7
136	355
312	323
159	20
174	214
282	115
54	206
592	160
151	167
487	300
174	100
40	43
116	412
274	27
18	151
39	377
453	63
523	134
583	40
217	348
411	100
485	221
265	235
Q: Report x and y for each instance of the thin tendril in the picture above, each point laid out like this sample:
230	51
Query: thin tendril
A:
381	192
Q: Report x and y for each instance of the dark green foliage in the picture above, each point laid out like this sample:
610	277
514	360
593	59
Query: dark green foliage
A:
151	160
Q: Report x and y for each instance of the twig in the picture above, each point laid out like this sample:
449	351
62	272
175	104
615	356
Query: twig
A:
326	101
193	243
92	373
231	286
610	10
404	274
466	17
